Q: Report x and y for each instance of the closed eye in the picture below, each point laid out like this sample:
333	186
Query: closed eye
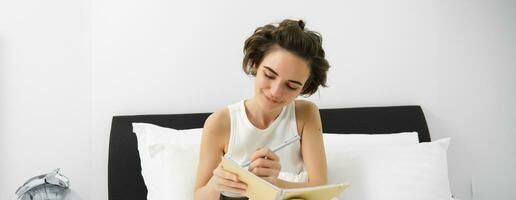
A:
291	88
268	76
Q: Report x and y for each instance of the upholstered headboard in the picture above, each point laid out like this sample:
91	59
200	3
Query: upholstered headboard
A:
124	172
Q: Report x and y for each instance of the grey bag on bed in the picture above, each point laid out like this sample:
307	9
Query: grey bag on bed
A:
51	186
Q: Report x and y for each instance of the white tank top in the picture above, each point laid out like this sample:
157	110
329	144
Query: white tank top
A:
245	138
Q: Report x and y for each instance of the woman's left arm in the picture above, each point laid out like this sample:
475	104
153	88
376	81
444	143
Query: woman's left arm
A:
312	147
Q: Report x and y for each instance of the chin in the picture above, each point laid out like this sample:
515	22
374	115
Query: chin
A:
268	104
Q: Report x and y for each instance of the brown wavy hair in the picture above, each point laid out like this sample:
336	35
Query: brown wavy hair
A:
292	36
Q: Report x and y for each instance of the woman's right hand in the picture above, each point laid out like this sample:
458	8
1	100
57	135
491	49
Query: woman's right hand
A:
225	181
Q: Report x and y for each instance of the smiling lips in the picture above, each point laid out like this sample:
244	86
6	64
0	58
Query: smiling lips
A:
270	99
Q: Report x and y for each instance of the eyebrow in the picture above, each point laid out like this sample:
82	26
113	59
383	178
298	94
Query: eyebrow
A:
274	72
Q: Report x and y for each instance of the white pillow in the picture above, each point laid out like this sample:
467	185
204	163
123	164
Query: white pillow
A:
169	157
176	165
411	172
169	160
353	141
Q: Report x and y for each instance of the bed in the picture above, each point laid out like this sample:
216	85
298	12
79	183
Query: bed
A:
126	182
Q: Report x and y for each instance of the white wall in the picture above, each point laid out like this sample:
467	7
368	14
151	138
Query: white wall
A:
455	59
45	92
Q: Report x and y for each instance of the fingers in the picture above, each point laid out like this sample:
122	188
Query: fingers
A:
264	163
232	184
265	172
264	152
220	172
223	188
265	168
223	180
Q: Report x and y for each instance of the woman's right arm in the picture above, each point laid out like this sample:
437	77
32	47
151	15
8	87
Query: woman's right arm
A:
211	178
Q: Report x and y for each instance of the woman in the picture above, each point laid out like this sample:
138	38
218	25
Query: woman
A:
287	61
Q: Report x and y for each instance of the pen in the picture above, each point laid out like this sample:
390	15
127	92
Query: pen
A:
281	146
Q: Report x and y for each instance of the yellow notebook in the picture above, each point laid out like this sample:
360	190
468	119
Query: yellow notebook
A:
260	189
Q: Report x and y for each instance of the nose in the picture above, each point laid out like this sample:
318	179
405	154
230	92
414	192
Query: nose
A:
275	90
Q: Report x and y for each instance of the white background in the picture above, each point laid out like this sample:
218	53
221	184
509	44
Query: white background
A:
66	67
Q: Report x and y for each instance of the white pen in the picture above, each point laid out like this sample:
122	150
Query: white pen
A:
281	146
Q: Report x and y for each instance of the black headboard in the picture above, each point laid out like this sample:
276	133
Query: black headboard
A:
124	172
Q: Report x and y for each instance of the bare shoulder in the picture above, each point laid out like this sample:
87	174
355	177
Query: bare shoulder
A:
216	128
218	120
305	108
307	116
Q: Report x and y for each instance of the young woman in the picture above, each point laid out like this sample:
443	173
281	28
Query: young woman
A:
287	61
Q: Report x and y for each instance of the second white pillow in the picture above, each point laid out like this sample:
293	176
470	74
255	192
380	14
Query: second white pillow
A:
406	172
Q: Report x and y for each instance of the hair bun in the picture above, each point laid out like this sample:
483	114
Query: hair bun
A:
301	24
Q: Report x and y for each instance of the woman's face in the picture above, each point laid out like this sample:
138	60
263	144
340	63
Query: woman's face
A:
280	78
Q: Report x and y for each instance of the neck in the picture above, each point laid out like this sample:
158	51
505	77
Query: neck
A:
260	117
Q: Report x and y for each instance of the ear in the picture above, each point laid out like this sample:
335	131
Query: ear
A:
254	69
